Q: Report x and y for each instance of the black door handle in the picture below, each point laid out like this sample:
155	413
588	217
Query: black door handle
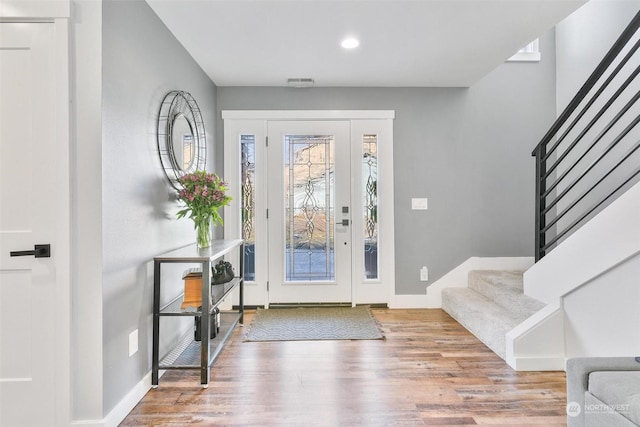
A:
39	251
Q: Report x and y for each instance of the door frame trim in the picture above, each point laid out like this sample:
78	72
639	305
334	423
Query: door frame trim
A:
64	264
308	114
254	122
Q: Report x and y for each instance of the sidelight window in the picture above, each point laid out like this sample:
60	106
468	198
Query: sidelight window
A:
370	191
247	191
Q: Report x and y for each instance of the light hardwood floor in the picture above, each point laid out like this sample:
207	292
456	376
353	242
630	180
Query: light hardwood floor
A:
428	371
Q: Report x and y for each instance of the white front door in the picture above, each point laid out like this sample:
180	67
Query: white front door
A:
309	207
291	196
30	198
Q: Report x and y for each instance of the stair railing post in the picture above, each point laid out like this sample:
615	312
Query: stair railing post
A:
540	154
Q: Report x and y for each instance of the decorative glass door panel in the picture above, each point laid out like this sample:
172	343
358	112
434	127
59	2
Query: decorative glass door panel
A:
309	207
248	208
309	212
370	217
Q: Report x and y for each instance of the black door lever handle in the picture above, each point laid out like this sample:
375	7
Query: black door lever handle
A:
39	251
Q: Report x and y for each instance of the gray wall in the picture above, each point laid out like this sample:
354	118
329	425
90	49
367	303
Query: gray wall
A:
582	40
142	61
467	150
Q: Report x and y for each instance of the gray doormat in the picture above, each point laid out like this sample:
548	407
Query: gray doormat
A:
313	323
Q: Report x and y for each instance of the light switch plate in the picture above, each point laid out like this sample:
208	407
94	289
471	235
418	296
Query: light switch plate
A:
419	204
133	343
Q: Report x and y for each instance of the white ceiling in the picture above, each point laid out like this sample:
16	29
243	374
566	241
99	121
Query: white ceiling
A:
407	43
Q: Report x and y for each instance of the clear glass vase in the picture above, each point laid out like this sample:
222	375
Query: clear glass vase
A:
203	231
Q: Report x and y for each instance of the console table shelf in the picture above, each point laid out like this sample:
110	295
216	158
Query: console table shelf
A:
188	353
218	293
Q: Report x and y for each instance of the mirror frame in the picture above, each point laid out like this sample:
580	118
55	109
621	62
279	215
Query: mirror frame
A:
176	104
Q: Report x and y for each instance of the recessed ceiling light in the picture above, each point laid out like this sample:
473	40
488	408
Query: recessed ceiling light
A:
350	43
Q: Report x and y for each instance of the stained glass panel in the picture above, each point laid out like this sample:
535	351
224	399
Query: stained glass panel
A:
309	208
370	191
248	175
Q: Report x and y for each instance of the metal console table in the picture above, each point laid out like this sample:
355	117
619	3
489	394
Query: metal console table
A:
184	355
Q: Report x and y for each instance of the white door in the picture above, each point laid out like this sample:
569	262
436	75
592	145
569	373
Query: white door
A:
257	176
29	198
309	223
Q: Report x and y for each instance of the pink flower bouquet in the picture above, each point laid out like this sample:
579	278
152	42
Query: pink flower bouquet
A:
203	194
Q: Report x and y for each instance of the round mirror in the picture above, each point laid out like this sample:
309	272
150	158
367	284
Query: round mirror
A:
182	143
181	138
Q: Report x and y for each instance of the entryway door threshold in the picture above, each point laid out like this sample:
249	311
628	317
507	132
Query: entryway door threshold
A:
309	304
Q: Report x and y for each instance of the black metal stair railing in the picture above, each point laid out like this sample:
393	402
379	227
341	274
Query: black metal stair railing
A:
591	155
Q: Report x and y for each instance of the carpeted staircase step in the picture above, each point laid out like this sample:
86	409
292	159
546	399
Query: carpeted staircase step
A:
505	288
491	305
511	278
485	319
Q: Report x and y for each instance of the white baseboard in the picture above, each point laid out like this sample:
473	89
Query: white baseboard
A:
92	423
122	409
125	406
408	301
550	363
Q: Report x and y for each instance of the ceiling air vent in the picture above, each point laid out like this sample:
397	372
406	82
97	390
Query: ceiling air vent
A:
300	82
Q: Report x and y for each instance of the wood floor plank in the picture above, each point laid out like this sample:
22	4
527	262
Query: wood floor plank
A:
428	371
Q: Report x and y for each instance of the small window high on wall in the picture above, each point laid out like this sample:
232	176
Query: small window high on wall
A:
529	53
